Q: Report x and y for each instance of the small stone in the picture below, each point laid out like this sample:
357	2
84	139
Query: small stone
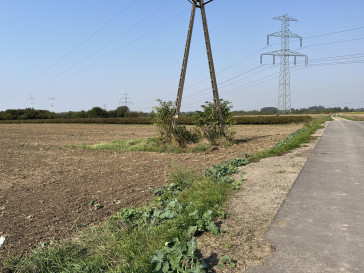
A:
2	241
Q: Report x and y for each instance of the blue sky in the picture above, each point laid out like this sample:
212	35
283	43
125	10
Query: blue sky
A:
88	53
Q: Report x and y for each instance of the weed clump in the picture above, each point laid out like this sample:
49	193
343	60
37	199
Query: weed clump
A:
208	122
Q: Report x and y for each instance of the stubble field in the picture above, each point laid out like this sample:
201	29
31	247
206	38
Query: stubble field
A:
46	186
354	116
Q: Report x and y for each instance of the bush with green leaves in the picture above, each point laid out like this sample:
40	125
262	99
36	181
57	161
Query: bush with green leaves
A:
162	118
183	136
221	173
208	121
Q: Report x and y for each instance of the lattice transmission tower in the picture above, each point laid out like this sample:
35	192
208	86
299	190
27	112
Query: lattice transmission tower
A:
126	100
284	90
201	5
32	99
52	104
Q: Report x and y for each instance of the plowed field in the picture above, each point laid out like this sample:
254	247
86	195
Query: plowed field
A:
46	186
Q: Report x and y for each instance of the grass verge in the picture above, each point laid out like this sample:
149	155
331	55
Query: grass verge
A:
159	237
294	140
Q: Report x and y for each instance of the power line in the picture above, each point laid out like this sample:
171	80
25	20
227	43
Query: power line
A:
274	76
345	103
337	58
332	33
337	42
327	34
228	67
77	46
109	54
43	85
252	54
221	85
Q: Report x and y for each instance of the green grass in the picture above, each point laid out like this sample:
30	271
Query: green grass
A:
146	145
133	145
293	141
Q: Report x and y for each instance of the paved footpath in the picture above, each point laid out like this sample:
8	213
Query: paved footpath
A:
320	226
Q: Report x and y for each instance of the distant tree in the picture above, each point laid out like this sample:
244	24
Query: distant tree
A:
97	112
121	111
269	110
316	108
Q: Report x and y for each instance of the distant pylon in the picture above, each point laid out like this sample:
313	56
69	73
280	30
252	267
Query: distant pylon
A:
31	101
52	106
126	100
201	5
284	90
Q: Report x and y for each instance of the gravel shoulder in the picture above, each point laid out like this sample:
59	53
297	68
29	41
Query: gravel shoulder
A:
252	209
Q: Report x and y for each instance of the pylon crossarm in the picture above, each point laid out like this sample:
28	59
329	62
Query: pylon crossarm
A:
285	18
276	34
293	35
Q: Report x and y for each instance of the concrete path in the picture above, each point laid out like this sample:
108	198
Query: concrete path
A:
320	225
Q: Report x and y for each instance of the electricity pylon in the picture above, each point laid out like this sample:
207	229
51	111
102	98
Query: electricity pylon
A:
126	100
31	101
201	5
284	91
52	106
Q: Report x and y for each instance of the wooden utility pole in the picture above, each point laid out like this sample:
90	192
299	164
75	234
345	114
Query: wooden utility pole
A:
201	5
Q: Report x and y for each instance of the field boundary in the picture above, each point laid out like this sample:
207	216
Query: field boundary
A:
239	120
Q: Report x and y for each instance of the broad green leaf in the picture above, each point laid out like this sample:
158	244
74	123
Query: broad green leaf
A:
165	267
220	266
191	231
213	228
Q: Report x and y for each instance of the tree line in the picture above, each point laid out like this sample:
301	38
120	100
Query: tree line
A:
95	112
124	111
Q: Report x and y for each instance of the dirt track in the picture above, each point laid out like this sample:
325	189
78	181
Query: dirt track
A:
45	187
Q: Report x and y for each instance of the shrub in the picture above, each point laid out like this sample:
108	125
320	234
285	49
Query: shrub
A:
162	117
183	136
208	121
